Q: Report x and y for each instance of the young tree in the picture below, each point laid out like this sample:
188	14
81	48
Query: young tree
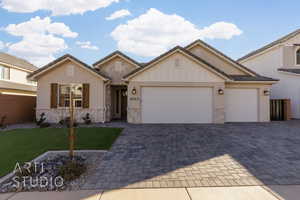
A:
71	125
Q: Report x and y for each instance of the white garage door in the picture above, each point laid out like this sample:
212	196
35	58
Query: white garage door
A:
176	105
241	105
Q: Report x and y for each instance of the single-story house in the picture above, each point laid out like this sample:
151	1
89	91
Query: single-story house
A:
194	84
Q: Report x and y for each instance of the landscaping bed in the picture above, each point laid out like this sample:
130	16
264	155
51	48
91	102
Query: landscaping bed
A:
22	145
48	172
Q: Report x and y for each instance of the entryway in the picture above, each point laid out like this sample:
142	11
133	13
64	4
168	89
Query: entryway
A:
119	102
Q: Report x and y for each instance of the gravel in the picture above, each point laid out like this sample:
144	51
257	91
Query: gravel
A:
44	174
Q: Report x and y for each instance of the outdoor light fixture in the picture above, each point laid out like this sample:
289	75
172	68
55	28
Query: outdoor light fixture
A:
133	91
220	91
266	92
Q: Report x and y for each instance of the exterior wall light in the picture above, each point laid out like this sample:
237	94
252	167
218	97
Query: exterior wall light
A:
133	91
220	91
266	92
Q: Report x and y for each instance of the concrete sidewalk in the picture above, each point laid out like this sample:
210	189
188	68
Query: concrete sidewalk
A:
200	193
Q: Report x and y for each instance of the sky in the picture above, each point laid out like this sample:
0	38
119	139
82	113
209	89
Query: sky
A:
43	30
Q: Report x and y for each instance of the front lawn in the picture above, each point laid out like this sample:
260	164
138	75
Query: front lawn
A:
23	145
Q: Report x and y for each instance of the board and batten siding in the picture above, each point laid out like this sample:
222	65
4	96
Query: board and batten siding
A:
177	68
69	73
216	61
175	71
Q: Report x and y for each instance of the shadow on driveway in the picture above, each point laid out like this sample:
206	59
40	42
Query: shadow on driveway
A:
158	156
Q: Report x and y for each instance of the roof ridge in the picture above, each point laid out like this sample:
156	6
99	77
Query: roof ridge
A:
115	53
17	61
269	45
222	54
62	58
186	52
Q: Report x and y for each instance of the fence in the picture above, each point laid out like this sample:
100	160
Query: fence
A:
280	109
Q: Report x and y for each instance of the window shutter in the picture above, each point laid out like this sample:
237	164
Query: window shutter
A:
53	96
86	95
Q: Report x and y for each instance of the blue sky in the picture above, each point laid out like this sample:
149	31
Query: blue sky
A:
234	27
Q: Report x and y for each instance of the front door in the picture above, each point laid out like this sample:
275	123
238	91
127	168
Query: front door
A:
119	96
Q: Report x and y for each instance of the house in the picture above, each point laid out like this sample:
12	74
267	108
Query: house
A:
17	93
194	84
280	60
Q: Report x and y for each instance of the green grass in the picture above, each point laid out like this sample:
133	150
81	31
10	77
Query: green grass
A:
23	145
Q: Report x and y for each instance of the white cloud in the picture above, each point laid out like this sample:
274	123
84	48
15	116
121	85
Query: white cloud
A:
118	14
57	7
41	39
87	45
154	32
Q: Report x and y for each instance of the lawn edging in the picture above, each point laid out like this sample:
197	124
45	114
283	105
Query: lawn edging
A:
46	154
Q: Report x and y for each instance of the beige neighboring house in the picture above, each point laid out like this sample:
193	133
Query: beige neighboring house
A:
280	60
17	93
13	76
195	84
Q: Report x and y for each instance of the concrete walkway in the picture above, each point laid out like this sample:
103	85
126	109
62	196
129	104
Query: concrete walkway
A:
199	193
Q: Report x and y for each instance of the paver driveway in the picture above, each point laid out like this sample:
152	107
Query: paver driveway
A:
153	156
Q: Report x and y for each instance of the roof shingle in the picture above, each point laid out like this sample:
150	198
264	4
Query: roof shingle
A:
15	61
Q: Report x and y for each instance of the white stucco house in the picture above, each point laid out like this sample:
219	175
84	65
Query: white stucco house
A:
194	84
280	60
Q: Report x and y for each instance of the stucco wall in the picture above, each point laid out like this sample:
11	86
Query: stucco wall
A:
116	68
216	61
62	75
18	76
289	85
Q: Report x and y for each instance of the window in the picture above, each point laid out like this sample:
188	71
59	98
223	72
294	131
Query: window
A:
298	57
65	94
4	73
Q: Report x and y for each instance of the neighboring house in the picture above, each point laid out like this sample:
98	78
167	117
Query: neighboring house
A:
17	93
195	84
280	60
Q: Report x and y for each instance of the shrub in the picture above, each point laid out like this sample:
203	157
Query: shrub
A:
66	122
45	125
41	120
87	120
72	170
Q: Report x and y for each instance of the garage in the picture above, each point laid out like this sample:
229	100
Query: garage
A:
177	105
241	105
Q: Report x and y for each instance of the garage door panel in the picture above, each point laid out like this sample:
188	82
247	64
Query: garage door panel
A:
176	105
241	105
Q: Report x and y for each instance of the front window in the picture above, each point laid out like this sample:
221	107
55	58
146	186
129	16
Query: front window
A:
65	95
298	57
4	73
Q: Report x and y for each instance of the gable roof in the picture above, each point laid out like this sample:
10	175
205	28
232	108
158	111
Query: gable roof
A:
248	78
15	61
184	51
270	45
292	71
220	54
117	53
61	59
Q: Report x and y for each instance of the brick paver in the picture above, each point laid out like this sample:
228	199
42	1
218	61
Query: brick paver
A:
167	156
